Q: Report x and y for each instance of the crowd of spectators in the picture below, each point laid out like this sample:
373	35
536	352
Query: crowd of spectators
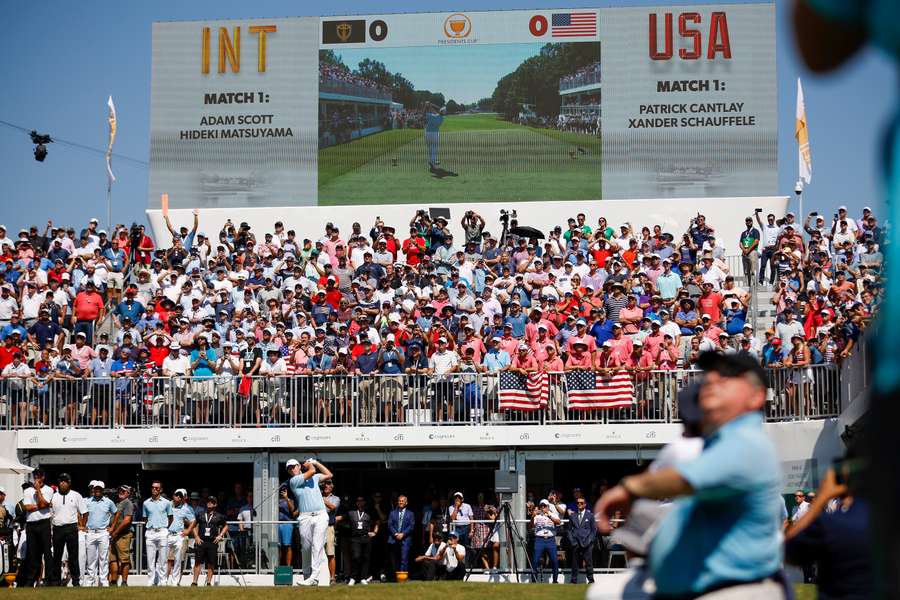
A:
243	304
330	73
583	76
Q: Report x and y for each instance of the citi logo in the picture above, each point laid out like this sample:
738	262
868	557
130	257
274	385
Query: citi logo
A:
275	438
34	440
153	439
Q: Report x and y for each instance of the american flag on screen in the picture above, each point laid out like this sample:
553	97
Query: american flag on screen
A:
520	392
574	24
588	390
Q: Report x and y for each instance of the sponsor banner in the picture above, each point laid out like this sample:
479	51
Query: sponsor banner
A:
233	113
689	101
461	28
352	437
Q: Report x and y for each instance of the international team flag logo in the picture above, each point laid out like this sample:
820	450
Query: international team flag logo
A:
573	24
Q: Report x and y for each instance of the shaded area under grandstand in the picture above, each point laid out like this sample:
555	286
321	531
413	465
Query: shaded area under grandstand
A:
496	161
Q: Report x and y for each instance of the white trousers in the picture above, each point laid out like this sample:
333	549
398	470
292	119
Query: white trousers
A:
157	542
312	536
97	558
177	545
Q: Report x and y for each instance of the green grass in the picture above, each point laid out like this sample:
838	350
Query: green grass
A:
413	590
486	159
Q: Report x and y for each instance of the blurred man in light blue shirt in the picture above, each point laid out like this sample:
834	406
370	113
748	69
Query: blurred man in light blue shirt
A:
723	530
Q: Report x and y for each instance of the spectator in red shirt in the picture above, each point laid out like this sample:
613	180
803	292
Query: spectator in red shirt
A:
579	358
710	302
88	311
414	247
524	362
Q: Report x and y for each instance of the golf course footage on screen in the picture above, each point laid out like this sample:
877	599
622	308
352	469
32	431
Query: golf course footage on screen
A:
505	106
458	123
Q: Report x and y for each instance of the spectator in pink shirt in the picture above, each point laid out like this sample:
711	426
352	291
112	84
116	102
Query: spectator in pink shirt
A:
474	343
579	357
630	316
81	352
606	360
524	362
653	341
552	363
620	345
710	329
539	345
667	359
640	361
581	335
508	343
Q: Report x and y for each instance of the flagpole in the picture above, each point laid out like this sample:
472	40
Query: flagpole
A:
109	209
798	189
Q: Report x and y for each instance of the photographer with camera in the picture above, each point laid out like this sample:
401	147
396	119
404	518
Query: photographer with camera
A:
472	224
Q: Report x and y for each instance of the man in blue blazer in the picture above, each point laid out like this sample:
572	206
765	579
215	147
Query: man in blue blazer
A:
582	533
401	522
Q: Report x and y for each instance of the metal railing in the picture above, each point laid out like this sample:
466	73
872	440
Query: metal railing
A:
353	89
309	400
568	83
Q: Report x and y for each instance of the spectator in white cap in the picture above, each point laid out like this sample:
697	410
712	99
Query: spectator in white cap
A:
182	527
443	363
461	516
100	511
177	366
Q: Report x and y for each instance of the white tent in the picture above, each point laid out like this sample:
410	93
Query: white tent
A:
10	466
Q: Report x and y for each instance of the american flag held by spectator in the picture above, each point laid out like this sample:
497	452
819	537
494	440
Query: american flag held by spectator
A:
589	390
521	392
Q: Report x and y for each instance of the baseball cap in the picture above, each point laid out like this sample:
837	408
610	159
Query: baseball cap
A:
292	463
180	492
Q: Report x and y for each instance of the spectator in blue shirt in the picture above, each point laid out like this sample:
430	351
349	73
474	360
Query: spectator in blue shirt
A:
130	307
723	530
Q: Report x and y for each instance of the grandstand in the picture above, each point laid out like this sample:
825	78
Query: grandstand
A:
351	107
580	100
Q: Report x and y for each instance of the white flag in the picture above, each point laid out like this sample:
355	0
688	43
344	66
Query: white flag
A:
801	132
112	138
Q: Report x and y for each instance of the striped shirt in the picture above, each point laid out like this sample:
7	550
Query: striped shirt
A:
306	491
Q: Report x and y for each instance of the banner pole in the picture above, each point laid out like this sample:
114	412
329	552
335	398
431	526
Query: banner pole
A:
109	209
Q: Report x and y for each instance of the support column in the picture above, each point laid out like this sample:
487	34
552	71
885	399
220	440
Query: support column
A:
265	494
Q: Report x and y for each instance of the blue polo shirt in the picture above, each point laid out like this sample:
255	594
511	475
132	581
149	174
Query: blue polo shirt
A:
728	530
157	513
496	360
307	493
100	512
180	514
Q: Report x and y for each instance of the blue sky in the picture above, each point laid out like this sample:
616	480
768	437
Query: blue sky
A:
61	60
463	73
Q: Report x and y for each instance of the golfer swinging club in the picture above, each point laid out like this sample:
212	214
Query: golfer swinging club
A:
313	518
434	118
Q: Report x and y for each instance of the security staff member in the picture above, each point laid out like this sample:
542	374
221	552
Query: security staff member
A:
182	527
36	502
210	530
68	517
313	518
361	534
100	511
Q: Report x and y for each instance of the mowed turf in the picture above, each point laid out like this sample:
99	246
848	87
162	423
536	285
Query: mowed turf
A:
407	591
482	158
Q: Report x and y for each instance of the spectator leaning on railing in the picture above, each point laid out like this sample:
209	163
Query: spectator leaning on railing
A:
239	315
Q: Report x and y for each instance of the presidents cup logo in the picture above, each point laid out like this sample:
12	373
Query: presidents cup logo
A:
457	30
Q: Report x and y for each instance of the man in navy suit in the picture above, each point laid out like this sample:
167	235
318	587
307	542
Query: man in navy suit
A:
582	532
400	527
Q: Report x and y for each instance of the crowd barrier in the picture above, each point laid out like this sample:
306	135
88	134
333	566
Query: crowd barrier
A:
308	400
